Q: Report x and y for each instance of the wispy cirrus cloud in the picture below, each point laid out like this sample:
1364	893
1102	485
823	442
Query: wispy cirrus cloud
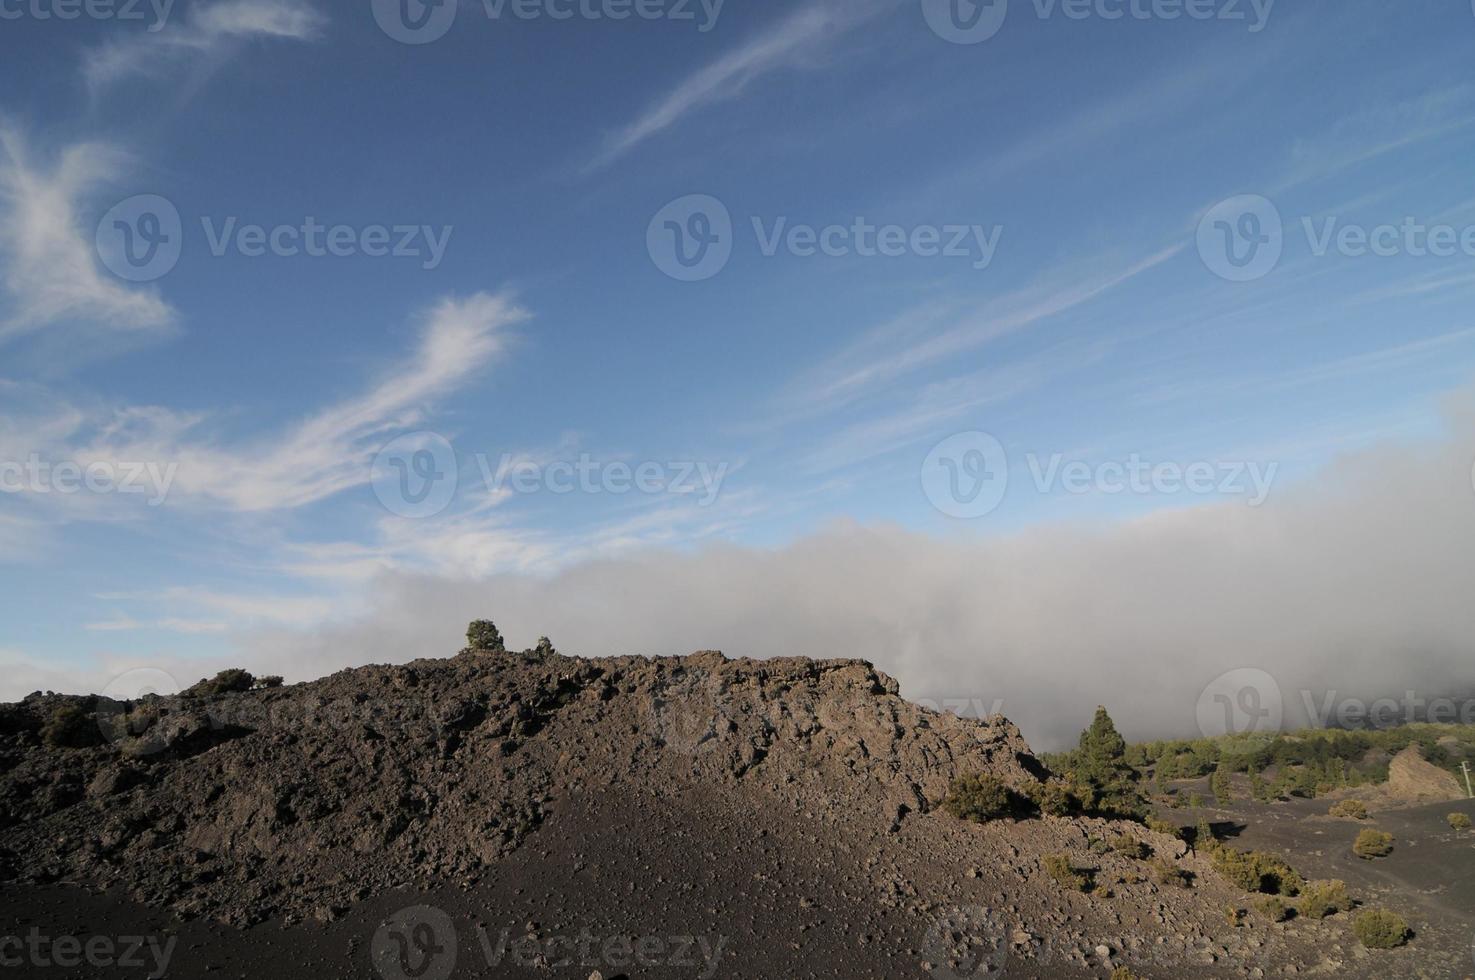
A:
792	43
210	30
50	268
929	336
332	450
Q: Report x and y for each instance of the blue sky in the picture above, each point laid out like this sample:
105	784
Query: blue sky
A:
815	386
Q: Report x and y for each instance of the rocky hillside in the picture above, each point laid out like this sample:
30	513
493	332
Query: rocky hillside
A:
789	808
254	804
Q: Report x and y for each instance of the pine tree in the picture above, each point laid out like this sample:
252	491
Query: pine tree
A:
1102	768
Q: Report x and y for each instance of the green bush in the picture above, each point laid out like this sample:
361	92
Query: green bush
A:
232	681
1459	821
1160	826
1350	809
1131	847
1256	871
1054	799
1323	898
980	798
71	727
1058	866
1380	929
482	634
1273	908
269	682
1167	873
1372	844
1203	836
1220	786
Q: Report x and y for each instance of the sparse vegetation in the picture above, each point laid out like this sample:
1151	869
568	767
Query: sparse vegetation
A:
482	635
1372	844
1349	809
70	727
980	798
1459	821
1059	867
1165	872
1306	763
1273	908
1160	826
1380	929
1131	847
1124	973
1323	898
233	681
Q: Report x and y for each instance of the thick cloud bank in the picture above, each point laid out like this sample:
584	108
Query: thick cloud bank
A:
1359	583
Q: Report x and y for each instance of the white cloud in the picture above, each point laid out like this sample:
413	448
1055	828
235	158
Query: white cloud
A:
1357	581
210	29
331	451
793	43
51	270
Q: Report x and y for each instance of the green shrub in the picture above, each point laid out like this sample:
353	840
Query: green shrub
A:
1131	847
1380	929
232	681
269	682
1273	908
1256	871
1167	873
1124	973
482	634
1372	844
1159	826
1323	898
1203	836
1220	786
71	727
980	798
1196	801
1058	866
1054	799
1349	809
1459	821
